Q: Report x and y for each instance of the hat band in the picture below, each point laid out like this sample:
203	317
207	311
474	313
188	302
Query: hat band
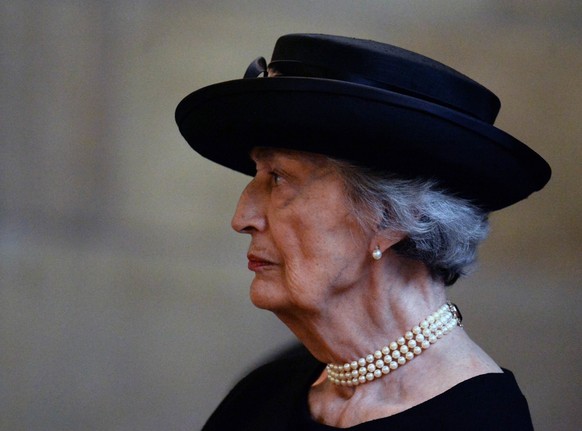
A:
299	69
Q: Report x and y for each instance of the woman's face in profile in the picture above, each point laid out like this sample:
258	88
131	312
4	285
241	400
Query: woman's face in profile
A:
305	244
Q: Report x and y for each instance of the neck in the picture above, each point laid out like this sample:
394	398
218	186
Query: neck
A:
363	317
398	352
358	320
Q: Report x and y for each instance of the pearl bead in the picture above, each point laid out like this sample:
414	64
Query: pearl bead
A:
371	368
377	373
354	365
346	367
379	363
370	359
401	360
377	254
362	379
361	362
385	350
377	354
393	345
385	369
362	371
393	365
369	376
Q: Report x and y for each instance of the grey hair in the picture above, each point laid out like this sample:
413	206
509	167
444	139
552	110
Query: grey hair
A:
442	231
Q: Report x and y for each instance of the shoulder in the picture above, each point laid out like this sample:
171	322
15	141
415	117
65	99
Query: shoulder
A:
489	401
271	389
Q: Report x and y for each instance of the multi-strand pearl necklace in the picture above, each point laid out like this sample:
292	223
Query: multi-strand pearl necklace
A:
398	352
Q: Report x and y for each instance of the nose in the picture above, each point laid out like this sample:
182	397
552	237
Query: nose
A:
249	215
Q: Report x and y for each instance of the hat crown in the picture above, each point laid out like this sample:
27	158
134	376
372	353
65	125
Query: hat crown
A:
385	67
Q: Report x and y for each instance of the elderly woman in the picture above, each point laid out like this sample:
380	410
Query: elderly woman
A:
374	171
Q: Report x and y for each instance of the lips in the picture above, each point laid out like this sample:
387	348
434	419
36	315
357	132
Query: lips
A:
258	263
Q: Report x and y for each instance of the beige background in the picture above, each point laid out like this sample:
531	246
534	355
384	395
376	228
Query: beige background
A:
123	296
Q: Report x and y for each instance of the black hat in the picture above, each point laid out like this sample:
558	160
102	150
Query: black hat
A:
370	103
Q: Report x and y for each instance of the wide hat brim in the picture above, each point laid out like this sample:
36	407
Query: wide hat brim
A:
376	128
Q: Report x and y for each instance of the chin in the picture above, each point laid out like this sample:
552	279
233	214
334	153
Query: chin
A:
266	296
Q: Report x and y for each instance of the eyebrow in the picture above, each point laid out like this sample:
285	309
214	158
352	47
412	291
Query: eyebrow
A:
267	154
261	153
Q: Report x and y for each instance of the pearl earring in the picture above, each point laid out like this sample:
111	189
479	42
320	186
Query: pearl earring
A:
377	253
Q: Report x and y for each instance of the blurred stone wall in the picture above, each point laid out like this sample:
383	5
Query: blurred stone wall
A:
123	292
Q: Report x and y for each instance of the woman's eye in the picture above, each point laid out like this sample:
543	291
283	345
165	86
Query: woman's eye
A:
276	178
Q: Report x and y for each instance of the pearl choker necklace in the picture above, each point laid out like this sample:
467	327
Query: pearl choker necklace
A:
398	352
